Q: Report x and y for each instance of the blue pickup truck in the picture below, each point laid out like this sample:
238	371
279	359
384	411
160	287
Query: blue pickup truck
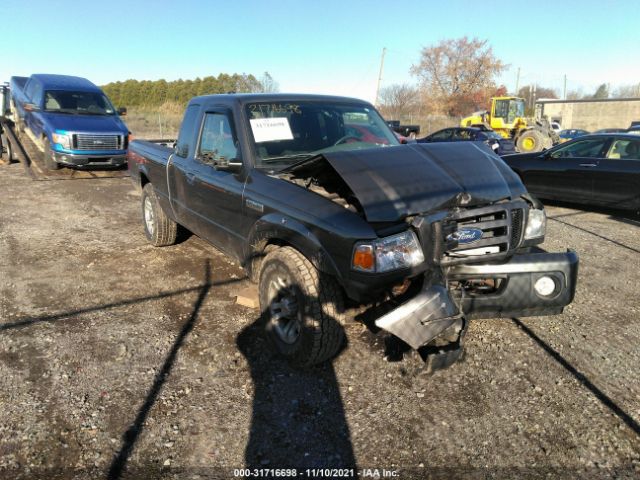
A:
69	119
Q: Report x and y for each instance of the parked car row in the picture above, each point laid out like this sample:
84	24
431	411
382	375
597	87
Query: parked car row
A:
570	134
499	144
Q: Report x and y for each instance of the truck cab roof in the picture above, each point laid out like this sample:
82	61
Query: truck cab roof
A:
243	98
64	82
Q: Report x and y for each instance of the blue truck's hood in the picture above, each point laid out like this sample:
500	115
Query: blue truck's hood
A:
85	123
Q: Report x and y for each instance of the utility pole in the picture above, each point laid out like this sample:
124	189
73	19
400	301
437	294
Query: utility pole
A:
517	82
384	51
564	91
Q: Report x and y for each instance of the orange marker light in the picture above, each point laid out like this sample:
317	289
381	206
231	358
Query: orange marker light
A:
363	258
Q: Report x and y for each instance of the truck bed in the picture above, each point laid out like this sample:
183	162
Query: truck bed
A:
155	150
151	157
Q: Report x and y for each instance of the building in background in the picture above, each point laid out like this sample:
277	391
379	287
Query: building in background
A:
592	114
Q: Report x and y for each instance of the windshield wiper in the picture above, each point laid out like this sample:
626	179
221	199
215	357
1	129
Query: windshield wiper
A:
285	157
310	158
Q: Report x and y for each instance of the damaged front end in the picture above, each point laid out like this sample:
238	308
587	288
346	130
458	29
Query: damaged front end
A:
474	227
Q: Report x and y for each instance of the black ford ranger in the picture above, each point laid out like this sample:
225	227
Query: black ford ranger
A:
317	199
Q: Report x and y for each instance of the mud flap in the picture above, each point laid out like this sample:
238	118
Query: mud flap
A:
422	318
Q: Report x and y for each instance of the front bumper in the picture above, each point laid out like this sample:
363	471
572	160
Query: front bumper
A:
107	160
516	296
437	308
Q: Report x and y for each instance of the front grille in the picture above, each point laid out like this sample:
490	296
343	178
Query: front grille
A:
517	218
501	225
97	142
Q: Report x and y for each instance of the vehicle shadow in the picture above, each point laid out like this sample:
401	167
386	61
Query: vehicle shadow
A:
626	216
130	437
298	418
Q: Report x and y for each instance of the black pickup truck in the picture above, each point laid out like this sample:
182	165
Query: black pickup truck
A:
329	213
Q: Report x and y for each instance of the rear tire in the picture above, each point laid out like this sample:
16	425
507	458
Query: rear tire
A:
159	229
47	157
303	308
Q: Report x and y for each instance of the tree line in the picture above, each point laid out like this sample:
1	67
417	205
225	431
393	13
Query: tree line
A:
133	93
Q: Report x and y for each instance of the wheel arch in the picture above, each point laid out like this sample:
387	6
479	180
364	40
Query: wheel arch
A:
277	230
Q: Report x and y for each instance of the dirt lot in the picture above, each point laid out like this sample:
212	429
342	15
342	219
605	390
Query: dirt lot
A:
120	360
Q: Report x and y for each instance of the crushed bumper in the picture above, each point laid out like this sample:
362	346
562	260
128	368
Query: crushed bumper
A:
436	309
422	318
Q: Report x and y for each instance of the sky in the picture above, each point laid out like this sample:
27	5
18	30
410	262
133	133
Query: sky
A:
325	46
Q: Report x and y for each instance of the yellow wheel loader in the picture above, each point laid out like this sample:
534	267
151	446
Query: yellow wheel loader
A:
507	118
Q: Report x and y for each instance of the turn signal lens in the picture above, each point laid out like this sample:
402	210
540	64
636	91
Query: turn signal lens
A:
363	258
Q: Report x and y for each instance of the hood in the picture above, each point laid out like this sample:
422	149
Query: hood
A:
86	123
392	183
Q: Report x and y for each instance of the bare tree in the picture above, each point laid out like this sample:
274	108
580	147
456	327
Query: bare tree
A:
626	91
531	94
575	94
268	84
397	101
455	72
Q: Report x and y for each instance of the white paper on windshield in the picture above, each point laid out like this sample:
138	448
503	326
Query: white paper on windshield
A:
270	129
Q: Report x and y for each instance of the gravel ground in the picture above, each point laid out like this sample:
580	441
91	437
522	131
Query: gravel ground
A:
120	360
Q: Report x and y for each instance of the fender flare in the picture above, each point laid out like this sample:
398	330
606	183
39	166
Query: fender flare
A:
281	229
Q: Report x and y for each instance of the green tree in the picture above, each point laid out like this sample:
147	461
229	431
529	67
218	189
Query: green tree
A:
602	91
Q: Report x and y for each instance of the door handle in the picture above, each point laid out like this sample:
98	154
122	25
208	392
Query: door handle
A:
588	164
190	176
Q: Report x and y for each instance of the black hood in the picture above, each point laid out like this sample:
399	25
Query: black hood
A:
392	183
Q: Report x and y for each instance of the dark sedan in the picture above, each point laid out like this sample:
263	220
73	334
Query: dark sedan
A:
602	169
571	133
500	145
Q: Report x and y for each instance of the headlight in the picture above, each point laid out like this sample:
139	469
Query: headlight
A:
536	224
62	139
390	253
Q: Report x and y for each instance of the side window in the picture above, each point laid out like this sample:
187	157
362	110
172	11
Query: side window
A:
37	95
461	135
183	149
624	150
441	135
584	149
28	92
217	143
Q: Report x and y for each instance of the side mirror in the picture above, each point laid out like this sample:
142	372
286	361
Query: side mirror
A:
31	107
122	111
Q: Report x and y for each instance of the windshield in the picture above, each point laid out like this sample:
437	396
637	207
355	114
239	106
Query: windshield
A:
509	109
286	133
78	103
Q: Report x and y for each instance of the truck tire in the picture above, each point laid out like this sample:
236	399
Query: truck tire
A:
303	308
158	227
47	157
530	141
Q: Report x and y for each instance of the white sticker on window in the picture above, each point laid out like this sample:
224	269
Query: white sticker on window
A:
270	129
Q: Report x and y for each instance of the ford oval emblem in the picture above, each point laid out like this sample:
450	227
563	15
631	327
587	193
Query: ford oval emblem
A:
466	236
